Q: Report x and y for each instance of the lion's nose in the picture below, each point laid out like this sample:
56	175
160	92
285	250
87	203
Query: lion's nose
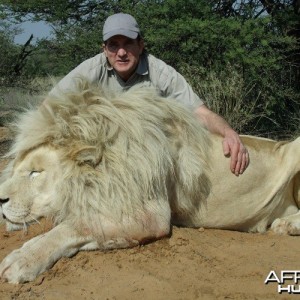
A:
3	200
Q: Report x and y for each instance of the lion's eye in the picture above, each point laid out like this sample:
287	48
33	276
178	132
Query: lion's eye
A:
34	174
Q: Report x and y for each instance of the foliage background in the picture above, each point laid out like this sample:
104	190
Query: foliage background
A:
241	57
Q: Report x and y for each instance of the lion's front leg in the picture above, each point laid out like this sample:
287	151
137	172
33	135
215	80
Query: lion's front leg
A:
40	253
150	223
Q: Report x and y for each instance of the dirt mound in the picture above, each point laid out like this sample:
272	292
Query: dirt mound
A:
192	264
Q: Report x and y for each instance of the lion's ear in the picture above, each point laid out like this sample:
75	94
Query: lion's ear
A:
87	155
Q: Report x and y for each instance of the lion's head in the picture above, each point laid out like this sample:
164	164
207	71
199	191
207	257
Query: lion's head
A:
82	155
31	189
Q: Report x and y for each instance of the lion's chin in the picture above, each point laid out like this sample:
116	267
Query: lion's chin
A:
10	226
13	225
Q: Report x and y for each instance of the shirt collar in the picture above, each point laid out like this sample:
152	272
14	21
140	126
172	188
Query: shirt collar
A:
142	68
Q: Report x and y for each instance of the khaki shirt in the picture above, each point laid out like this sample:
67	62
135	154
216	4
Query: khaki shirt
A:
150	72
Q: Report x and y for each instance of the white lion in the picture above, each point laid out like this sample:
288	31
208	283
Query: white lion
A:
117	173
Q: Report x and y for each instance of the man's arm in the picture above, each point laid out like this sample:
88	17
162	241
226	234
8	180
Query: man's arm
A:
89	71
232	144
173	85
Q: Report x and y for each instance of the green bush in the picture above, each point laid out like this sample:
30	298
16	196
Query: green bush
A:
239	102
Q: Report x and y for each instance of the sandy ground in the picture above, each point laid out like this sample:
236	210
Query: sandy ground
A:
191	264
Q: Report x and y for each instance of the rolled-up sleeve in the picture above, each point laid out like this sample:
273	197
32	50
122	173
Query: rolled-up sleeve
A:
173	85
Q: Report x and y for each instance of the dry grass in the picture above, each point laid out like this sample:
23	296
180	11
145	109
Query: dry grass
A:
22	96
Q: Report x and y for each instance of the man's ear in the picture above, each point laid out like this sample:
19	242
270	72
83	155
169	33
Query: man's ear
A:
142	45
104	49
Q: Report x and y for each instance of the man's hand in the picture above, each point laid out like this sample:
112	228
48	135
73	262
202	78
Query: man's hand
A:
232	144
233	147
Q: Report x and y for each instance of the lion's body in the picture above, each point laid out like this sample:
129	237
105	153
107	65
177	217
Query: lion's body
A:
115	173
266	191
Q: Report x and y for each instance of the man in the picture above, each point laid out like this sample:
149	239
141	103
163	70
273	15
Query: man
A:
124	63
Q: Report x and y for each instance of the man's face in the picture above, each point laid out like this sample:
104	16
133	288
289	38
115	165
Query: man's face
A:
123	54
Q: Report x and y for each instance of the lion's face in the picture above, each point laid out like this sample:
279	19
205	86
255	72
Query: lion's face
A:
29	191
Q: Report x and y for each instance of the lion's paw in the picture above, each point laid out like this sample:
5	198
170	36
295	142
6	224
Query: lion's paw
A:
286	227
19	267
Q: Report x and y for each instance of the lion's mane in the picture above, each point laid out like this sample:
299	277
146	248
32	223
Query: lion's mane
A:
118	152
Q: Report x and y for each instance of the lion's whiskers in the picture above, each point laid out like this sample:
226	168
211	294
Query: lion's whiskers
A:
36	220
26	224
25	228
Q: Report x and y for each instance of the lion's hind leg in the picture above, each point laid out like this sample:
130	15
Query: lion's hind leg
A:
289	225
